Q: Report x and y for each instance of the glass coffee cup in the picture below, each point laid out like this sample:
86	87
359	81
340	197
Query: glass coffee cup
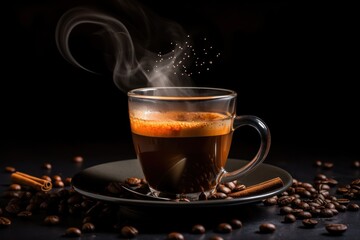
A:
182	137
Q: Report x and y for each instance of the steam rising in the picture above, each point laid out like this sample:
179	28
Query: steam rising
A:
134	64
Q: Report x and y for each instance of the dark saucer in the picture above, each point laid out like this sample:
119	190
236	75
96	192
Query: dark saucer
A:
92	181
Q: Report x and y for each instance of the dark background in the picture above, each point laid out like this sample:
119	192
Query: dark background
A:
293	64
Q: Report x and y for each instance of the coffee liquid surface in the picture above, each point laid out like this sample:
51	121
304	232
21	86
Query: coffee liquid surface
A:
180	124
182	152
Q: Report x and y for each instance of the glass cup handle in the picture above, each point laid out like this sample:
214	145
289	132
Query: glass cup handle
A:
265	137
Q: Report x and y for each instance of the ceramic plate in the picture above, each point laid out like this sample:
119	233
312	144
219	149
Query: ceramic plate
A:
93	180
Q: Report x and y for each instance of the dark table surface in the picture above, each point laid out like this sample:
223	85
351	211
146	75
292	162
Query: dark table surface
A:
157	223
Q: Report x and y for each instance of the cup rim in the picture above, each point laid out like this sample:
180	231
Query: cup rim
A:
222	93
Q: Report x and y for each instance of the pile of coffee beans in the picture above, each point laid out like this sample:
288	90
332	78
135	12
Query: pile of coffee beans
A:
322	199
302	201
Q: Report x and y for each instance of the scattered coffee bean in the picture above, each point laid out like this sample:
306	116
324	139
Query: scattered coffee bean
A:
267	228
289	218
14	187
239	187
270	201
236	223
318	163
309	222
198	229
56	178
223	228
88	227
224	189
336	228
46	166
4	222
67	181
24	214
52	220
286	210
78	159
47	178
59	184
129	231
304	215
356	164
175	236
353	207
327	165
73	232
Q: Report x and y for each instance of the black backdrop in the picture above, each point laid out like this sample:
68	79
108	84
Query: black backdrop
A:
292	64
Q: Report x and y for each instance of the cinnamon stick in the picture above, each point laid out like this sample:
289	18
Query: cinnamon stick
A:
34	182
262	187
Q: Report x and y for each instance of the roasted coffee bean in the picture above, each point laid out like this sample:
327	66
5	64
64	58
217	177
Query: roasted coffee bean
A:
318	163
47	178
331	181
335	211
304	215
327	165
329	205
285	200
231	185
51	220
88	227
267	228
72	232
286	210
239	187
24	214
309	222
289	218
198	229
59	184
353	207
13	208
46	166
270	201
67	181
356	164
336	228
78	159
222	188
326	212
236	223
297	211
56	178
175	236
341	208
14	187
323	186
4	221
129	231
223	228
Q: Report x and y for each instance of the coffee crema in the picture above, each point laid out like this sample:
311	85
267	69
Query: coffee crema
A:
180	124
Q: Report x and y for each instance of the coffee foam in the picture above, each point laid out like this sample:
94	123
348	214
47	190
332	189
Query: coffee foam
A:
179	124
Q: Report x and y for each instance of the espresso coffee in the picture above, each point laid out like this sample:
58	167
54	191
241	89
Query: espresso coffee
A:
181	152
